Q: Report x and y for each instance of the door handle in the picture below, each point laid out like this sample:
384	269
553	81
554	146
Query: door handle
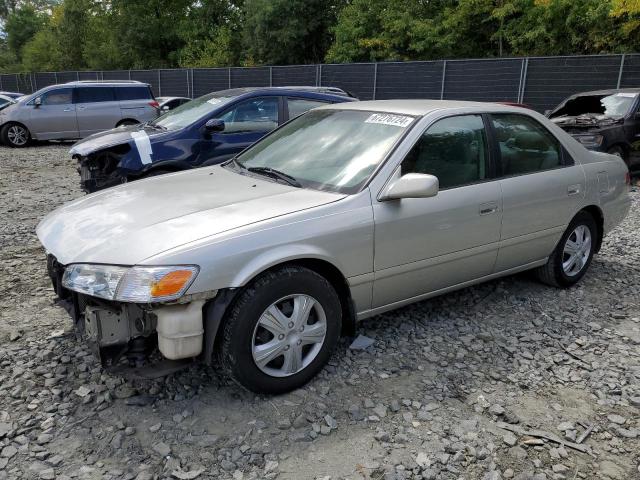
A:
67	110
488	208
81	108
573	189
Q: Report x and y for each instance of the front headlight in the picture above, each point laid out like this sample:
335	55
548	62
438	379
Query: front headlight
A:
130	284
589	140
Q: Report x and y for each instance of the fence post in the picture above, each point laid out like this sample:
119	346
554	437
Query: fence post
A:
34	81
524	79
192	88
271	76
375	79
229	74
1	88
520	82
77	75
621	69
159	84
319	75
444	74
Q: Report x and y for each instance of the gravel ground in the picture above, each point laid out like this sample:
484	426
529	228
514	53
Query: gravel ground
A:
465	386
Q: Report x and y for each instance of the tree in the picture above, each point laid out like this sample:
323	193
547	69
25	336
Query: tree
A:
211	34
20	26
281	32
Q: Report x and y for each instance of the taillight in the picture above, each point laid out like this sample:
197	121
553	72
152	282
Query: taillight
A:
154	104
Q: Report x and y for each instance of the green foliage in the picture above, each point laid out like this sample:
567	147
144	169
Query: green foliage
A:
123	34
20	27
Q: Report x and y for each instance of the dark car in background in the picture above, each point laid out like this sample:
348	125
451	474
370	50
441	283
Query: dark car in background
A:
204	131
74	110
603	120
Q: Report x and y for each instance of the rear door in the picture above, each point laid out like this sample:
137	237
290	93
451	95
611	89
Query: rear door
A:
542	189
246	122
97	109
55	117
137	102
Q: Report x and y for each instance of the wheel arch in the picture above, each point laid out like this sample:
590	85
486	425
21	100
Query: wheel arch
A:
124	121
598	216
215	309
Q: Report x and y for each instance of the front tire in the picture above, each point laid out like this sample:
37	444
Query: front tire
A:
15	135
281	330
572	256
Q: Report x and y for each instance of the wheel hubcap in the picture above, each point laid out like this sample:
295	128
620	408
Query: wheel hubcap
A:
17	135
576	251
289	335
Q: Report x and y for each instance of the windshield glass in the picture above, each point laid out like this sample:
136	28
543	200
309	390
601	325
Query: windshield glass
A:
189	112
615	105
335	150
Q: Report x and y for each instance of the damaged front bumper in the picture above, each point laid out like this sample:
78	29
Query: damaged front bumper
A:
115	330
99	171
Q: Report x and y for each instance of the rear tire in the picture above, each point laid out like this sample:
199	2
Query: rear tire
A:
15	135
572	256
281	330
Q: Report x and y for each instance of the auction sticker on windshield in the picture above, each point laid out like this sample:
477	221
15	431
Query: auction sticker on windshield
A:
389	119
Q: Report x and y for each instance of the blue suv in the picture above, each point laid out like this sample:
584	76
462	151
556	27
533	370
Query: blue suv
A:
204	131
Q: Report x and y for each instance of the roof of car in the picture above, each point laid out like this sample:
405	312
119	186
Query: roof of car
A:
94	83
417	107
232	92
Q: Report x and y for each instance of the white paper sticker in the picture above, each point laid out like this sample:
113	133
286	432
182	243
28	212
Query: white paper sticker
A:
389	119
144	145
626	95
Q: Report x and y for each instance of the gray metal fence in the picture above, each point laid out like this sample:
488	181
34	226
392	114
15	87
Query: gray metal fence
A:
541	82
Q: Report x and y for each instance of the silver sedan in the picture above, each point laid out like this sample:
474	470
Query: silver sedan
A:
346	212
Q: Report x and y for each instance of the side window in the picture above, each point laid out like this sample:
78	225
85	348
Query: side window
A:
255	115
525	145
133	93
94	94
61	96
453	149
298	106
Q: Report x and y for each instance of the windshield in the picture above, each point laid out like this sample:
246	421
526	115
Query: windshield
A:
189	112
616	105
335	150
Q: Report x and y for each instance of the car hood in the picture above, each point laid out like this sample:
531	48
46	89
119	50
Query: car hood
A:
109	138
130	223
587	120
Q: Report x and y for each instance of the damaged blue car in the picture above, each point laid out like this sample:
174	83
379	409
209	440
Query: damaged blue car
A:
205	131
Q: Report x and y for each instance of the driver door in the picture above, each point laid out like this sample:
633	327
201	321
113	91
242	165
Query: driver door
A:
55	117
423	245
245	123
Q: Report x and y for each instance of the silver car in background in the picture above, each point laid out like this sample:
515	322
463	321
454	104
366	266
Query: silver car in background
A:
343	213
75	110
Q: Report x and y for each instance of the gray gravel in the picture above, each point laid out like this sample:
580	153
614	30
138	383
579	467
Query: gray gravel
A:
458	387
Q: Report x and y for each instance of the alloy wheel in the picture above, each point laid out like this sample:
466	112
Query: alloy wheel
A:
577	250
17	135
289	335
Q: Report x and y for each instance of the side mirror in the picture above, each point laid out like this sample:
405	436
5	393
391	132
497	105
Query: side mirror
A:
166	108
411	185
214	125
37	102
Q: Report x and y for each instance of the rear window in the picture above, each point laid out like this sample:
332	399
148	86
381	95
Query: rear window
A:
94	94
133	93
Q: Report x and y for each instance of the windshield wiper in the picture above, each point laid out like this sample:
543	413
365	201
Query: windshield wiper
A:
272	172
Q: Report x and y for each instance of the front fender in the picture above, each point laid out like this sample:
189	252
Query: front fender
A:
280	255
